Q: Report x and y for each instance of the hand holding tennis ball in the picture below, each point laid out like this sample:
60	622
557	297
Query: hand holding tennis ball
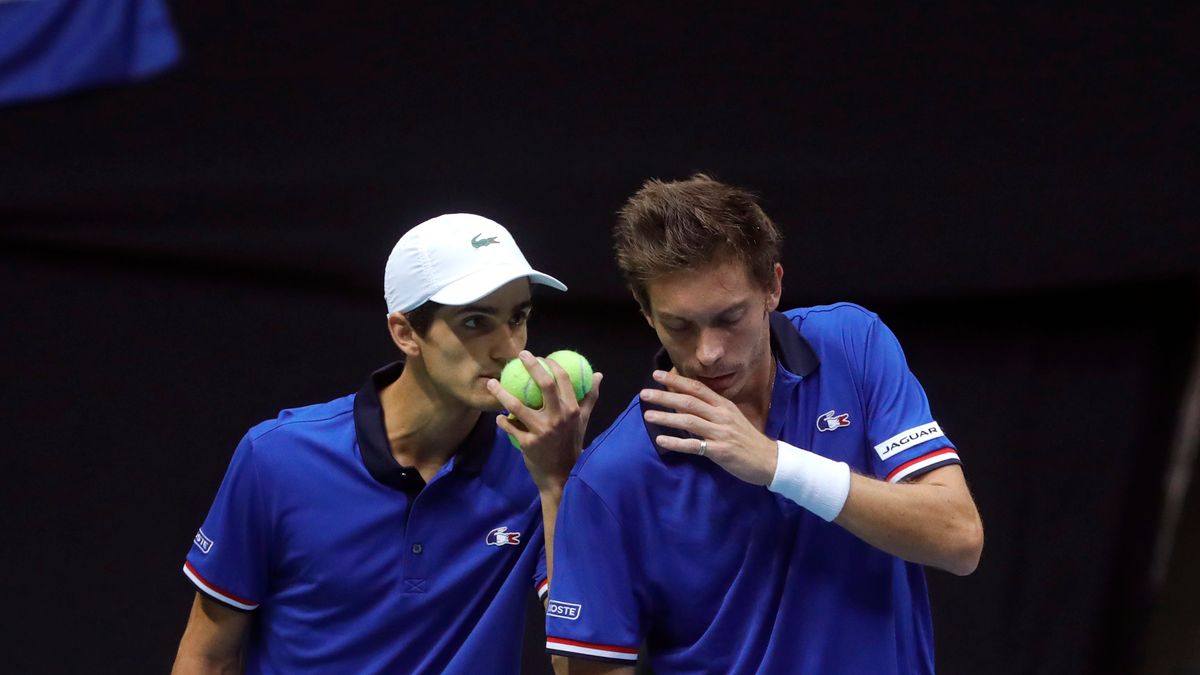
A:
561	421
517	381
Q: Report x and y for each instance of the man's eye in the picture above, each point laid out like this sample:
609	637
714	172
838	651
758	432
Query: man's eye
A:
473	322
730	319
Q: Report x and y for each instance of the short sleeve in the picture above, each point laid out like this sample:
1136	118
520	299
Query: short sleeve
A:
593	610
229	555
906	441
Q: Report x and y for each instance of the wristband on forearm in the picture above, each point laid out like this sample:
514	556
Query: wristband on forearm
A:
817	483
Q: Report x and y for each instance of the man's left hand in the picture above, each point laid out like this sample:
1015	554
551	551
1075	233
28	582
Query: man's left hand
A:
729	438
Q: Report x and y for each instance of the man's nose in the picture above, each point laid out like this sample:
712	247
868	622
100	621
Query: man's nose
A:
510	344
710	347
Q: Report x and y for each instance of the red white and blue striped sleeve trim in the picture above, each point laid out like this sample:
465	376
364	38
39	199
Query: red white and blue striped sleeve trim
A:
216	592
543	589
924	464
592	650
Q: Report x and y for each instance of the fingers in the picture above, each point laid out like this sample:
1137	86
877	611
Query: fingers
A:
545	381
560	389
558	397
690	423
686	385
508	401
589	399
684	403
690	446
514	428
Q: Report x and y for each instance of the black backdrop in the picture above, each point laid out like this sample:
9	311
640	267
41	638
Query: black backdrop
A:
1007	187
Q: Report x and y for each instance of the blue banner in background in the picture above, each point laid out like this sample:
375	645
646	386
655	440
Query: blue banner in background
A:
50	47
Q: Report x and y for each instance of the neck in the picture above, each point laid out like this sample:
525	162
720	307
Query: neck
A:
756	399
423	428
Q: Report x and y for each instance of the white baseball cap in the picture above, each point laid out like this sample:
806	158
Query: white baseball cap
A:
454	259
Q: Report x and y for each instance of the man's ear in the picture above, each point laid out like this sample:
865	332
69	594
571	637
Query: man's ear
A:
645	313
403	334
643	305
777	290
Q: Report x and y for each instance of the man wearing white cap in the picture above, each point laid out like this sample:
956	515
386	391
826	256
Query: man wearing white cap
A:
396	529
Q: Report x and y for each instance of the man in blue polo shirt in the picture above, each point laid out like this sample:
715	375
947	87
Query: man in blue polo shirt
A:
396	530
766	504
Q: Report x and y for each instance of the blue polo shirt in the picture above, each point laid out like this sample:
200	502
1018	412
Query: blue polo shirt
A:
716	575
352	564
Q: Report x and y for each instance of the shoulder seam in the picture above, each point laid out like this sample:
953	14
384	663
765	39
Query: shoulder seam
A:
280	424
836	306
599	498
596	442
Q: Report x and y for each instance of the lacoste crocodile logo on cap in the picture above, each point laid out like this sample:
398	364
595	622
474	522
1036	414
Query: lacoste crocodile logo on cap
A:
480	243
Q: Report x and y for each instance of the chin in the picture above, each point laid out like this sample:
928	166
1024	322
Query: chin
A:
476	395
490	405
482	399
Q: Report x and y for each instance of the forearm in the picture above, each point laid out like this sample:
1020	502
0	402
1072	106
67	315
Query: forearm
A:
931	522
550	496
550	501
212	642
191	663
579	666
200	654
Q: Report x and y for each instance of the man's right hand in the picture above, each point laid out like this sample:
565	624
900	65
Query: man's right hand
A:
551	437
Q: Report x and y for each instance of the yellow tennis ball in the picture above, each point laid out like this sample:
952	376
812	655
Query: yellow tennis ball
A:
577	368
513	439
517	381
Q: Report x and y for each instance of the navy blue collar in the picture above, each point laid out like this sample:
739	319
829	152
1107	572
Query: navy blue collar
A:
791	351
377	452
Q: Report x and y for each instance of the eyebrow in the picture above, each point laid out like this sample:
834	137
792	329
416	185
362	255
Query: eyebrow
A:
726	310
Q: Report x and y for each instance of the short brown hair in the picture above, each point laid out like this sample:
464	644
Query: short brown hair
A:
666	227
421	318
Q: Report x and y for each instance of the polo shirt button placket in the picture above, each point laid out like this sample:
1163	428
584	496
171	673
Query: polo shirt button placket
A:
417	583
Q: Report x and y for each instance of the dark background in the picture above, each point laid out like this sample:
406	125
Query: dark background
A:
1011	188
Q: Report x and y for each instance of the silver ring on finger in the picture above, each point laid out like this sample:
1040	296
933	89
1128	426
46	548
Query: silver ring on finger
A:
703	446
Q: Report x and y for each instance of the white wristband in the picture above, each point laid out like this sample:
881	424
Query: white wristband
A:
817	483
